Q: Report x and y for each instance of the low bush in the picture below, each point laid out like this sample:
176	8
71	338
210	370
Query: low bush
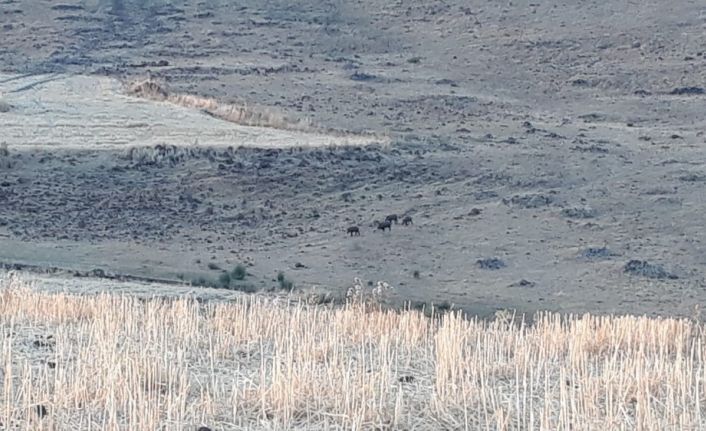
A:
238	273
284	282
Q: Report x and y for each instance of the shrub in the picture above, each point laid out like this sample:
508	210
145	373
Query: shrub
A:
245	287
415	274
224	280
201	281
213	266
443	306
160	154
649	270
284	282
4	106
239	272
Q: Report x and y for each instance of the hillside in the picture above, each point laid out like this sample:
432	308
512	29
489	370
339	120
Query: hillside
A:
550	154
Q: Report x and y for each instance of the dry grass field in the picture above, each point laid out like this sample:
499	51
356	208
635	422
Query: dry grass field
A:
239	114
120	362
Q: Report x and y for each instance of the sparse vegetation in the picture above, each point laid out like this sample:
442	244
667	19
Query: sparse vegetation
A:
239	272
649	270
224	279
159	154
557	127
358	293
579	213
203	282
293	365
239	114
284	282
234	280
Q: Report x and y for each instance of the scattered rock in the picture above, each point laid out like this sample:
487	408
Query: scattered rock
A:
529	200
593	148
579	213
688	91
593	117
491	263
523	283
445	81
580	82
646	269
597	253
692	177
485	194
365	77
67	7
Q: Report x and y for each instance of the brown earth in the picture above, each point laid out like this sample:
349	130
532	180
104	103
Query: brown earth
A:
564	140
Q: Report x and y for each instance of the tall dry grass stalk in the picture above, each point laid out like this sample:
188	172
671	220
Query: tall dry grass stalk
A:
118	363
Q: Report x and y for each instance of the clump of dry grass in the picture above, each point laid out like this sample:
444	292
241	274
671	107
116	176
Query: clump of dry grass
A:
239	114
119	362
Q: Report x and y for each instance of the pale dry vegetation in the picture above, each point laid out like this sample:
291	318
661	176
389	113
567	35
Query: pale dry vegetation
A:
240	114
119	362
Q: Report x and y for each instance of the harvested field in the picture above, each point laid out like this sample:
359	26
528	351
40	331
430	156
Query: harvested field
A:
122	362
97	113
